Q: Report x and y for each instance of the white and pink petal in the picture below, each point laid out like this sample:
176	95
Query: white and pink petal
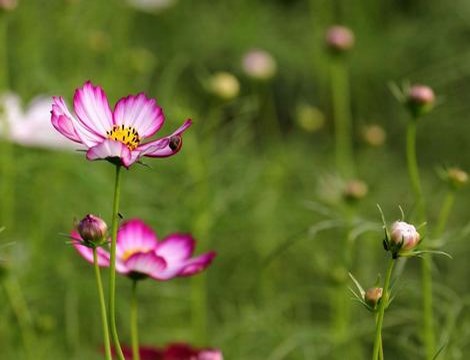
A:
197	264
176	248
139	112
87	252
135	236
109	149
145	263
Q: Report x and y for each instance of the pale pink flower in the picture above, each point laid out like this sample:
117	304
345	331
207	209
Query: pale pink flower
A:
116	135
31	126
139	254
259	64
405	234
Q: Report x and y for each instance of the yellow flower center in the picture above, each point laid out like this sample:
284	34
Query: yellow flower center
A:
128	253
127	135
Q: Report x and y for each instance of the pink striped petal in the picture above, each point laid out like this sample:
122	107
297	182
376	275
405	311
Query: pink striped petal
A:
197	264
145	263
176	248
139	112
166	146
110	149
87	253
62	120
92	108
135	236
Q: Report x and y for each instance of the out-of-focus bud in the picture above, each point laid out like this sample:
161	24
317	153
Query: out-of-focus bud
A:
309	118
355	190
259	64
374	135
404	236
151	5
339	39
224	85
456	177
93	230
420	100
372	296
8	5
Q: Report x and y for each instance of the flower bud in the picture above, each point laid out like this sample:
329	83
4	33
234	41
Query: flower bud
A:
456	177
224	85
8	5
339	39
309	118
372	296
93	230
355	190
259	64
404	235
374	135
420	99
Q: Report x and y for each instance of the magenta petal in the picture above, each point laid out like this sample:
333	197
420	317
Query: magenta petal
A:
166	146
145	263
62	120
135	236
176	248
139	112
87	253
197	264
110	149
92	108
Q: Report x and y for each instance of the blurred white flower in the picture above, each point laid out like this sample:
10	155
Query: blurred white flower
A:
259	64
30	127
151	5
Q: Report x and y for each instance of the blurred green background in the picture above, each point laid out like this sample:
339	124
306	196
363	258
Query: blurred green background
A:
252	193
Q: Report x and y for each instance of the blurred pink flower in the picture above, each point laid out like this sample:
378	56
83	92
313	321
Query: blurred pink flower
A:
29	127
115	135
175	351
151	5
139	254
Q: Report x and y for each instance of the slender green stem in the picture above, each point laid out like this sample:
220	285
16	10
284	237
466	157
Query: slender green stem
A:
381	349
342	118
134	323
428	316
112	265
23	316
378	346
104	320
444	214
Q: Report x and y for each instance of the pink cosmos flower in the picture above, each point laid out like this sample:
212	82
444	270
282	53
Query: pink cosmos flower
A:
139	254
175	351
115	135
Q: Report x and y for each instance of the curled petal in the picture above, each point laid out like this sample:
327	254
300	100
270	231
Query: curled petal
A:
176	248
92	108
62	120
166	146
197	264
135	236
110	149
139	112
145	263
87	252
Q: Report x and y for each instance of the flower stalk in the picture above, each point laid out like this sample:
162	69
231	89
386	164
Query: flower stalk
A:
134	322
112	265
378	350
104	320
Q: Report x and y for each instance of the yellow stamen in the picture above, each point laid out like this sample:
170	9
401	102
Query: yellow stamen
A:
126	135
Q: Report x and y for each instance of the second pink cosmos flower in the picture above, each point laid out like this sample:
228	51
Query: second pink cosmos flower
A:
116	135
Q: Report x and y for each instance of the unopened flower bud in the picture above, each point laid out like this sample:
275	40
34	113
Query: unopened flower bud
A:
93	230
456	177
8	5
355	190
310	118
224	85
259	64
372	296
339	39
420	99
374	135
404	235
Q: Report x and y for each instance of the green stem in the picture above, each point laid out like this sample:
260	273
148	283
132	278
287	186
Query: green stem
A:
104	320
342	118
380	318
112	265
444	214
23	316
428	316
134	323
413	169
381	349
